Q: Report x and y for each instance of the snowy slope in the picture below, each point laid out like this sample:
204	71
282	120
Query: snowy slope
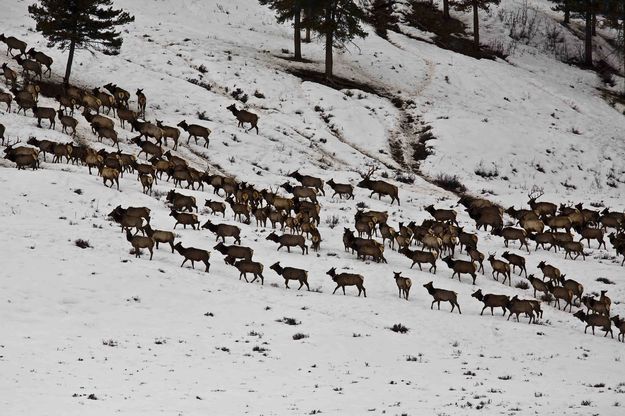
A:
146	337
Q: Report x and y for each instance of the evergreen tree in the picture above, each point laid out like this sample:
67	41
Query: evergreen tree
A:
339	21
381	16
82	24
290	10
476	5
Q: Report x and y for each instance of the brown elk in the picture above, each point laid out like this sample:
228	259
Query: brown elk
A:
593	234
244	117
67	122
185	219
195	131
347	279
593	320
169	132
560	221
216	206
249	266
142	100
150	149
341	189
620	324
309	181
512	234
13	43
538	285
291	273
500	267
6	98
544	238
107	100
573	247
516	261
552	272
288	241
442	295
239	210
138	242
461	267
180	201
121	95
563	293
576	287
236	252
301	191
518	306
160	236
491	301
224	230
28	66
477	257
42	58
10	75
379	187
543	209
193	254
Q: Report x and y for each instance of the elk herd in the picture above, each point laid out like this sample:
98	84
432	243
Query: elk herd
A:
295	219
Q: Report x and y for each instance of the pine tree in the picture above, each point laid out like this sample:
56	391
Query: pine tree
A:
464	5
82	24
290	10
381	16
339	21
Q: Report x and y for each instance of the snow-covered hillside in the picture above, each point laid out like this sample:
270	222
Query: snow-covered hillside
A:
96	330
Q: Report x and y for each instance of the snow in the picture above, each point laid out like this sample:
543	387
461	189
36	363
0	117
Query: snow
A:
148	336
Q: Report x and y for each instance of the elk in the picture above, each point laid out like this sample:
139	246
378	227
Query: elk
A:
180	201
6	98
442	295
146	182
42	58
28	66
44	112
235	252
460	267
592	320
605	300
516	261
542	239
467	240
309	181
13	43
106	100
216	207
442	215
573	247
592	234
193	254
288	241
97	121
379	187
23	160
563	293
576	287
138	242
518	306
420	257
244	117
532	225
185	219
67	122
432	242
511	233
538	285
373	250
341	189
620	324
169	132
347	279
477	257
90	101
239	210
25	101
403	284
500	267
223	231
148	147
491	301
552	272
557	222
109	174
195	131
142	102
107	133
62	150
543	209
595	305
291	273
10	75
490	215
121	95
301	191
249	266
160	236
137	212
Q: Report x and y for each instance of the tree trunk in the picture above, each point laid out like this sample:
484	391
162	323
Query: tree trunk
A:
588	37
307	38
297	35
329	58
445	9
567	12
70	60
476	27
594	23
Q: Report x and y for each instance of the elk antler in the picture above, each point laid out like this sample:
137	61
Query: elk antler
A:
370	172
536	192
